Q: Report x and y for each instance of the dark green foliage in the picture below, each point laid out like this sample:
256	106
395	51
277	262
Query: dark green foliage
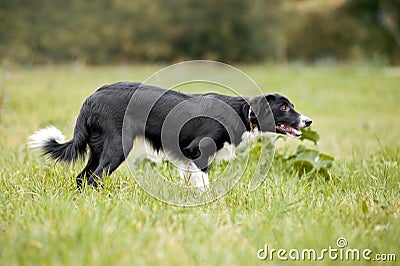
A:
380	24
123	31
321	35
119	31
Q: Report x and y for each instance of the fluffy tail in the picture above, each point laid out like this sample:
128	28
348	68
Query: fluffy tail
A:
50	141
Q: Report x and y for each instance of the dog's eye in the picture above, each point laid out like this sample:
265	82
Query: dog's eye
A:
284	108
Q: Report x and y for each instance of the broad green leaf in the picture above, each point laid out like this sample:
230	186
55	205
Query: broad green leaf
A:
307	166
309	160
324	161
309	134
308	155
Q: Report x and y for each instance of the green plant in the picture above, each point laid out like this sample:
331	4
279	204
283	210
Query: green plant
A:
307	160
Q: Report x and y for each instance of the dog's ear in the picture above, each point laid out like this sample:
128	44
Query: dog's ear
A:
270	97
258	104
262	112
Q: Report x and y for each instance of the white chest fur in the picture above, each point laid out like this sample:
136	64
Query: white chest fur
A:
226	153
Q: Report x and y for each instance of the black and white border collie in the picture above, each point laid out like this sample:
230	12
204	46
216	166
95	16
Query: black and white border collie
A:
191	128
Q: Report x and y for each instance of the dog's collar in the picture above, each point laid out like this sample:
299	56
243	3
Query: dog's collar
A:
249	117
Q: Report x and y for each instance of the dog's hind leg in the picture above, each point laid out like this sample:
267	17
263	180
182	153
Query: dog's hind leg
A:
90	167
111	157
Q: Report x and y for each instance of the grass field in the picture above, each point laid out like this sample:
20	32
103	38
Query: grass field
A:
45	221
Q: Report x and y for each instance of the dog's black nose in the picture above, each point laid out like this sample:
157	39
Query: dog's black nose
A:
308	122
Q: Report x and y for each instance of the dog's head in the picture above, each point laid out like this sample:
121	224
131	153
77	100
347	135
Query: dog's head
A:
287	120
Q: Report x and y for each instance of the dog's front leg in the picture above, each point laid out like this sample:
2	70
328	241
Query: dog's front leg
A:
199	151
200	180
190	173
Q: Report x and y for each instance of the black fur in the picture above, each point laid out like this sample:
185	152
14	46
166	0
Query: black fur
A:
199	125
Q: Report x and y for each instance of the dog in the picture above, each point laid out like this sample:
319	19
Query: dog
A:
191	128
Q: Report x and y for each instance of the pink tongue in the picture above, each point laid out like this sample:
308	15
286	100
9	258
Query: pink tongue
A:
290	130
294	131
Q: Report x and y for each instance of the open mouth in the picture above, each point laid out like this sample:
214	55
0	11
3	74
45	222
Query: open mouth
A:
288	130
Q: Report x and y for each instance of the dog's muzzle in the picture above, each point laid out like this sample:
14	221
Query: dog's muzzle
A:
293	130
305	121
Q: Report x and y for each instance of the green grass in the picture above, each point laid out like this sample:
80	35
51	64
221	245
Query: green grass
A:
45	221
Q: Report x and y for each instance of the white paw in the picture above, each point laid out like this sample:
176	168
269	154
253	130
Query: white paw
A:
200	180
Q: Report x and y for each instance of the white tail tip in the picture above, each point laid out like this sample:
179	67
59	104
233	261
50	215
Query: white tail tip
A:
38	139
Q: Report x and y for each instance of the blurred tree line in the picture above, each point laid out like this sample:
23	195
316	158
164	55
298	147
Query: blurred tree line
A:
115	31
